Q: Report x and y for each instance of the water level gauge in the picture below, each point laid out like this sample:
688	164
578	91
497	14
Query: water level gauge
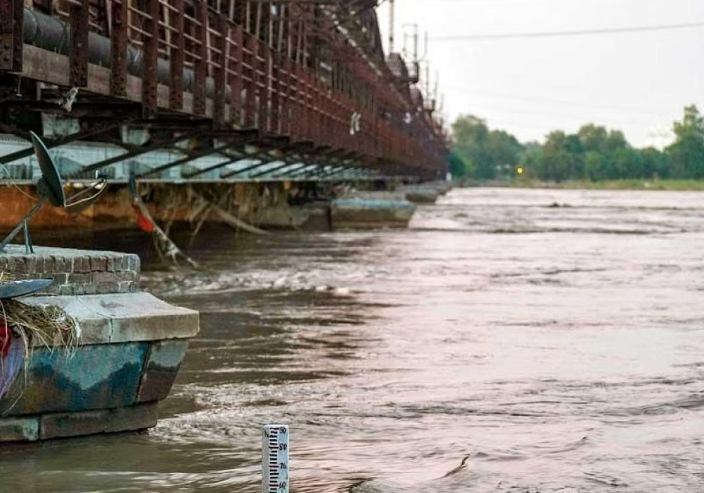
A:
275	459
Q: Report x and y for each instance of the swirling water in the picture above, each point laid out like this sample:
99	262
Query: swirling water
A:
554	339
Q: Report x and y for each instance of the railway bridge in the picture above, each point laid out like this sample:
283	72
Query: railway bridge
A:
211	91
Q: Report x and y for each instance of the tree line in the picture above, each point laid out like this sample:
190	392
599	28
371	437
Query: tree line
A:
594	153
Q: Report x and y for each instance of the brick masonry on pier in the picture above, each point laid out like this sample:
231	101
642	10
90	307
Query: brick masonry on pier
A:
75	272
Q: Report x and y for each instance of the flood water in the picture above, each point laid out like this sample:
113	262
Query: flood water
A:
555	338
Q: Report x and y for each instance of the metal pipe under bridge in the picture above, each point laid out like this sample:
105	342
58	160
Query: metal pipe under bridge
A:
211	91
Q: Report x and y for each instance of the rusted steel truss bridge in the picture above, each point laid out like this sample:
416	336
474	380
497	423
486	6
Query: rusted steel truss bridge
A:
211	90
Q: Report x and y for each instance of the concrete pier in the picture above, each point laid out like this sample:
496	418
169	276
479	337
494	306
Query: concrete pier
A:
129	351
424	193
371	210
421	194
266	206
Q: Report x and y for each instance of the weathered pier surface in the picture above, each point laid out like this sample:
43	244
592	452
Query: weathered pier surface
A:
371	210
129	351
368	213
270	206
421	194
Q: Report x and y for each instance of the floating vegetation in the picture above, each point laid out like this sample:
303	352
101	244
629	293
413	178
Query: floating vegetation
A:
47	326
6	277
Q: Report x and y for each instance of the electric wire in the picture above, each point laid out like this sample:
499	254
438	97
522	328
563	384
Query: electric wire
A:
516	113
582	32
562	102
12	183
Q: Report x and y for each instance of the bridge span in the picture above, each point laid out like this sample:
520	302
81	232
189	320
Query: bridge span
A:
211	91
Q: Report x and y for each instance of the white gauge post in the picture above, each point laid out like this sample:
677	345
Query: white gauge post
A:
275	467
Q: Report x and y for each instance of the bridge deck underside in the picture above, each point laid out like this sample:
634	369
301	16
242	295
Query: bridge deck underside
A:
209	90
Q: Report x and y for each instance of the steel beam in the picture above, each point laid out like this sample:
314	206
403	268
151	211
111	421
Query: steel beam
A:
11	35
177	57
236	78
150	51
220	76
305	171
79	18
118	49
322	171
138	152
51	143
200	69
301	169
190	157
211	168
233	159
244	170
333	172
273	170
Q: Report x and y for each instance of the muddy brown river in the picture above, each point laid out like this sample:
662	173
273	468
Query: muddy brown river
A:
554	339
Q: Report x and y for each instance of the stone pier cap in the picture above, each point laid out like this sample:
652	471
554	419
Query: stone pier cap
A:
123	317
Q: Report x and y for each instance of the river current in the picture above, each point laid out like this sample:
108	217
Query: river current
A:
553	340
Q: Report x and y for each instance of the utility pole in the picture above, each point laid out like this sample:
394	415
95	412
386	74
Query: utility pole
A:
415	45
437	83
391	26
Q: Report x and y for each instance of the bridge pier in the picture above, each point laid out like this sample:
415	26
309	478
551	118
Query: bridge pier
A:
300	206
105	373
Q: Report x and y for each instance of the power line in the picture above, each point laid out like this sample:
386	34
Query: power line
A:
585	118
481	1
480	107
541	100
552	34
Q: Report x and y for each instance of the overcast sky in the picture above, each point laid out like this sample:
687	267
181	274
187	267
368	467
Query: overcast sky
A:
638	82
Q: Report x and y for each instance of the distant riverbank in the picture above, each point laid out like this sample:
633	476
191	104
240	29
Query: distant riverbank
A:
673	185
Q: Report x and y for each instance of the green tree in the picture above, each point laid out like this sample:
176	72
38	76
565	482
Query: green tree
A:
485	149
594	152
459	166
503	149
607	154
655	163
615	141
470	135
560	158
627	163
528	158
593	138
686	154
595	165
